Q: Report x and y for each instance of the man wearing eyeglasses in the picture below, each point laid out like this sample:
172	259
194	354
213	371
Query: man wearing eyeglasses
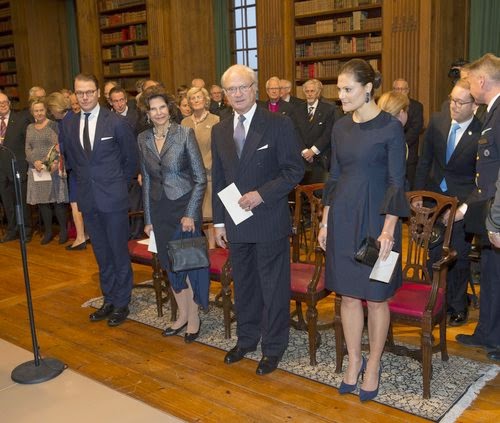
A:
448	166
259	152
118	100
102	151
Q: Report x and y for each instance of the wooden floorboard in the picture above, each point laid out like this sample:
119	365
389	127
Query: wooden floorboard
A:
189	381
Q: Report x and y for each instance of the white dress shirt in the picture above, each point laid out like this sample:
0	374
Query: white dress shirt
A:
94	113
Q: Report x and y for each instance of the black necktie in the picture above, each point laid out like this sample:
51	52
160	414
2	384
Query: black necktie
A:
86	137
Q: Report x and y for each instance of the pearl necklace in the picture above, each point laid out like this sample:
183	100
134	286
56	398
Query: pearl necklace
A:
161	135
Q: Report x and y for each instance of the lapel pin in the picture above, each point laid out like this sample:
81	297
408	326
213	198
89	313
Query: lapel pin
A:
470	133
486	153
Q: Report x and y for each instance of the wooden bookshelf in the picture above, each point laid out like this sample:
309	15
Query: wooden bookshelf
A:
8	67
124	41
328	33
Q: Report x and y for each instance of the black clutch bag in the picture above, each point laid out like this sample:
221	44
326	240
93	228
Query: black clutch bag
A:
188	254
368	251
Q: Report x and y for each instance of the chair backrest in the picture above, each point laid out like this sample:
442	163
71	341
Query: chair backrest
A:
426	226
307	213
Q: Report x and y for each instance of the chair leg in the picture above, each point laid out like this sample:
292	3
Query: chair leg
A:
157	279
312	324
226	304
339	337
301	323
426	363
442	339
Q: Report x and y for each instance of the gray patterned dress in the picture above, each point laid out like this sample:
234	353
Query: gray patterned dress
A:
38	144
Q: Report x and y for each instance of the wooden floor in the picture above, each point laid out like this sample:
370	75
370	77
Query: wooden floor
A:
189	381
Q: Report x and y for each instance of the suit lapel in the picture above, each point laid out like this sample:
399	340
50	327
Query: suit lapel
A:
150	143
490	114
102	117
169	140
252	140
75	129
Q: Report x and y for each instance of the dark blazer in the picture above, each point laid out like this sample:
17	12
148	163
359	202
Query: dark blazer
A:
132	117
216	108
318	131
284	108
460	170
270	163
176	170
103	178
15	141
413	128
295	101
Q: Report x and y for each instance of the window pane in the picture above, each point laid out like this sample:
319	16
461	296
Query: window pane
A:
245	32
252	59
237	3
251	20
239	58
238	21
239	39
252	38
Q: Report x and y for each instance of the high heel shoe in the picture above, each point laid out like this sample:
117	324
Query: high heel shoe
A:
346	388
171	332
190	337
369	395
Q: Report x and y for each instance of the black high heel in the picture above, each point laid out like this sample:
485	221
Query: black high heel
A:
190	337
171	332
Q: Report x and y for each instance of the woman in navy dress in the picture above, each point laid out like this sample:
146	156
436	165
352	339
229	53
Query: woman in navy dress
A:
364	196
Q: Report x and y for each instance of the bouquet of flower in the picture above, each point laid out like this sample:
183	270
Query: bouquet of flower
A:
52	156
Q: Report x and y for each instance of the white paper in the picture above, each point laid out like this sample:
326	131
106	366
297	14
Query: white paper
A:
43	175
230	197
382	270
152	243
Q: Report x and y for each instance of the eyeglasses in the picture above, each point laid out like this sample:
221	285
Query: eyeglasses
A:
459	103
89	93
119	100
4	103
242	88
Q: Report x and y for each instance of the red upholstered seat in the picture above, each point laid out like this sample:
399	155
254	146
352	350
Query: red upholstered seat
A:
412	298
301	277
139	250
217	257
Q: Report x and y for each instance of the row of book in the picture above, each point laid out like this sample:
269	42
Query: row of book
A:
344	45
121	18
5	26
357	22
133	32
8	66
114	4
11	92
8	79
328	91
7	52
128	67
324	69
119	52
6	39
320	6
4	12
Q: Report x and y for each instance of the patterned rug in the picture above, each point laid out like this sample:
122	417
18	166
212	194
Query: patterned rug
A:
454	386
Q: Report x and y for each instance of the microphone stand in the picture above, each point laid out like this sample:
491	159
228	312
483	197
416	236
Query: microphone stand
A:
40	369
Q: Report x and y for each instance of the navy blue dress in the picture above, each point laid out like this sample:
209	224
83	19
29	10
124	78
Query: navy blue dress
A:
366	182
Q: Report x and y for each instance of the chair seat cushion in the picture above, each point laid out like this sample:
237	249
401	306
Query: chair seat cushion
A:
217	257
301	275
139	251
412	298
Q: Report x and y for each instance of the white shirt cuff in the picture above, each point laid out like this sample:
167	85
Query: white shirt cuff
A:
316	151
463	208
219	225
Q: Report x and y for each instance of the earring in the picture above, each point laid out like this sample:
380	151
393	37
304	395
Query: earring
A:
147	119
367	98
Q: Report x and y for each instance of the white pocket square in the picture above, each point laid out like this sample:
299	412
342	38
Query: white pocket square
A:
106	138
263	147
486	130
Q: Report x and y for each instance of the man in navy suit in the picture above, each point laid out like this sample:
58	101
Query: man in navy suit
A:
258	151
285	89
448	166
484	78
102	151
275	104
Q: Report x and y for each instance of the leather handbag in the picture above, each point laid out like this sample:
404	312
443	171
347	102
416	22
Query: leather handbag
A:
186	254
368	251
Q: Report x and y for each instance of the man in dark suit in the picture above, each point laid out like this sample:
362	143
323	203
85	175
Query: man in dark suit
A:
285	89
12	137
275	104
413	128
448	166
217	103
484	79
314	121
118	99
258	151
102	151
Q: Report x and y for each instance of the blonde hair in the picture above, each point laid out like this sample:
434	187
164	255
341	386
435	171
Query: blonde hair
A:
489	64
393	102
195	90
58	102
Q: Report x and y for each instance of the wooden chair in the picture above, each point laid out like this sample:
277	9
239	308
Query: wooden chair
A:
421	300
307	273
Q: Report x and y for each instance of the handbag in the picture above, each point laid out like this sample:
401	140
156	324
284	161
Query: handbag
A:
368	251
188	253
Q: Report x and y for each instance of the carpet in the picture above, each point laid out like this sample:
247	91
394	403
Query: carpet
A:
454	386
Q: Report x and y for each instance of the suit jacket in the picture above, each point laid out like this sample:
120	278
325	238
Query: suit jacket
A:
270	163
460	171
413	127
132	117
103	178
493	220
295	101
176	170
15	141
215	108
318	131
284	108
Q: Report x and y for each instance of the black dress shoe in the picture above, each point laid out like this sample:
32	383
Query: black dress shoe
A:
46	239
267	364
458	319
236	354
118	316
171	332
9	237
63	238
101	314
494	355
469	340
190	337
81	246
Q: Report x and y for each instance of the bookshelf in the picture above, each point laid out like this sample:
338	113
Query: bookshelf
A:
124	41
329	33
8	68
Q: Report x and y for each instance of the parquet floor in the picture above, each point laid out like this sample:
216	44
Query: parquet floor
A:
188	381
